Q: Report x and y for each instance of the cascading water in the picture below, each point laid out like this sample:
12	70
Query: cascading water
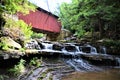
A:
75	57
118	61
47	46
75	52
103	50
93	50
70	49
81	65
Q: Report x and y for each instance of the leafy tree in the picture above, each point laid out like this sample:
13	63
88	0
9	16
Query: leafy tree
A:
91	15
13	6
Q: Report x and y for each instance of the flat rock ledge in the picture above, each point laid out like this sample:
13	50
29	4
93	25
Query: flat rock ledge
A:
17	53
11	54
96	59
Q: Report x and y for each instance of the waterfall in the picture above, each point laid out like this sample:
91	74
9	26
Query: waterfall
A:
118	61
71	64
81	65
78	49
93	50
64	51
71	49
103	50
47	46
89	49
77	56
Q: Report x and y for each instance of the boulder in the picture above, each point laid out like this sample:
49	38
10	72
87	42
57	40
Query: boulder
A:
33	44
40	43
64	34
86	49
57	46
10	43
14	33
70	48
104	60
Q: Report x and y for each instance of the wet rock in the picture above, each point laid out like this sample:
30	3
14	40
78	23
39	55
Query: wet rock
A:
40	43
102	60
11	53
102	49
112	47
70	48
86	49
78	44
10	43
57	46
33	44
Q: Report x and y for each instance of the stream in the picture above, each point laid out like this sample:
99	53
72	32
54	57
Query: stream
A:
69	60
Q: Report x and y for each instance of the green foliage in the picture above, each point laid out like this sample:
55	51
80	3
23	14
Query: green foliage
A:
43	75
22	49
37	35
83	15
26	29
3	44
3	77
36	62
23	28
18	29
13	6
19	68
112	44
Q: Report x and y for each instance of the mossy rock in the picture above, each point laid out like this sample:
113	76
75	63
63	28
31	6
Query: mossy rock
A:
8	43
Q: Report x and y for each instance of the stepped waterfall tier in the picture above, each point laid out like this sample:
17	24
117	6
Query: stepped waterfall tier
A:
62	59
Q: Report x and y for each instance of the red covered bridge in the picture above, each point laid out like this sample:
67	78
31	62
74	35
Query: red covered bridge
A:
42	21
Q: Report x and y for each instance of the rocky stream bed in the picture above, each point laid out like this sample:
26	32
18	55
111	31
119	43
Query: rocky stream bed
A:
68	61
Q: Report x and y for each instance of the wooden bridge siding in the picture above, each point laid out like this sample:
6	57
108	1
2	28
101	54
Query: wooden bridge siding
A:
42	21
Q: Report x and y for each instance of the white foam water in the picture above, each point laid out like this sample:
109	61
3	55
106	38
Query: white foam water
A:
82	65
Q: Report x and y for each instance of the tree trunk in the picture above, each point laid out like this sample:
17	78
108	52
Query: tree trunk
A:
100	29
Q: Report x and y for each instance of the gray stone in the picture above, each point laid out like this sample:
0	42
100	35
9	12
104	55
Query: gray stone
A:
57	46
10	42
33	44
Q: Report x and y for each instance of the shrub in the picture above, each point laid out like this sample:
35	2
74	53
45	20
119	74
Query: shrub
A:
21	26
36	62
3	77
3	45
37	35
19	68
17	30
